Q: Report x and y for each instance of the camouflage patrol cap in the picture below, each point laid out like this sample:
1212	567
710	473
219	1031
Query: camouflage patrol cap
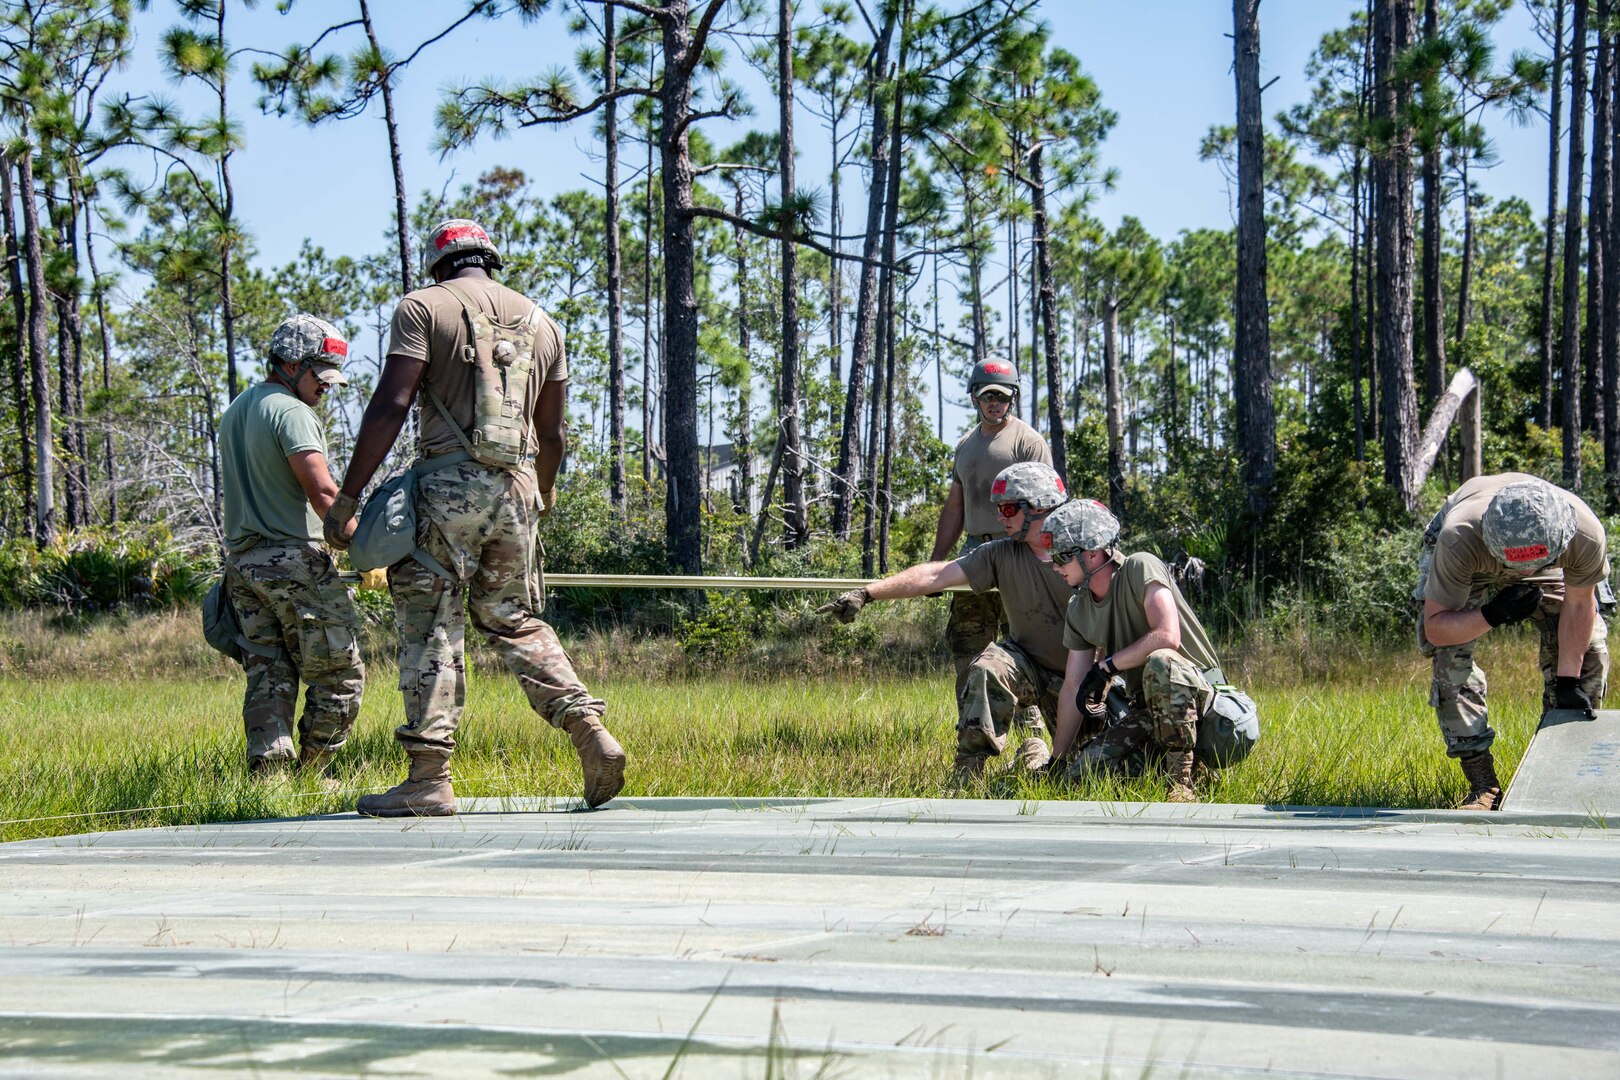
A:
304	339
452	237
995	372
1527	525
1032	483
1080	525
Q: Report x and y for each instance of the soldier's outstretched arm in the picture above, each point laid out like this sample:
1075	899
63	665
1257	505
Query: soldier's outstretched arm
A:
384	417
1068	711
918	580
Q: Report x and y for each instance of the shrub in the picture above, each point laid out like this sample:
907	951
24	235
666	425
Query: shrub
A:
103	569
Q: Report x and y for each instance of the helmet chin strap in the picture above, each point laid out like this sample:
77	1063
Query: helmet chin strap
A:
1031	515
1086	575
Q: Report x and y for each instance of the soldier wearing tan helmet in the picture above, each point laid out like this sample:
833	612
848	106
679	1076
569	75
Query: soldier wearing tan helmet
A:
1128	623
1501	550
486	368
998	440
296	616
1024	670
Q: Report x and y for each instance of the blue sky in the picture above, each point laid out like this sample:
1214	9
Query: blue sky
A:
1165	67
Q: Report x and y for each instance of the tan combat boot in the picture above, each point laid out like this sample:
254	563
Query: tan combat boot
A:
1484	790
425	792
314	761
967	768
1033	754
601	758
1179	763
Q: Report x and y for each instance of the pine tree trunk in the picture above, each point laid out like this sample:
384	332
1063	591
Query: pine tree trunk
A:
1256	426
38	353
1465	284
796	512
1115	407
1047	297
401	217
1550	238
1611	284
1599	264
647	303
1393	182
227	306
1570	345
744	439
618	488
1434	339
20	340
848	470
1357	409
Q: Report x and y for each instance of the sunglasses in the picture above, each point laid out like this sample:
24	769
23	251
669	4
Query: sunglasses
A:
1061	558
1009	510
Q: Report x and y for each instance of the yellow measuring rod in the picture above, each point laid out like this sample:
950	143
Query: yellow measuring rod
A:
696	581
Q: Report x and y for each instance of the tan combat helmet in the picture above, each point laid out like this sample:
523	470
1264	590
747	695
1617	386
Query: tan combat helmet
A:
1034	486
1528	525
312	344
1081	525
454	236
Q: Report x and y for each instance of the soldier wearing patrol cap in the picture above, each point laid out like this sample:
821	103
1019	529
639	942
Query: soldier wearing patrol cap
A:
487	369
297	617
1503	549
1127	619
998	440
1024	670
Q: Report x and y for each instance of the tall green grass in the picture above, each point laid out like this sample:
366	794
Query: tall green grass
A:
117	746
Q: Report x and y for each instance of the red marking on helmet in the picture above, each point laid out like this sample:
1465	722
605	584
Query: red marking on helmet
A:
1532	553
993	368
1061	489
460	232
1097	504
1046	540
998	488
335	346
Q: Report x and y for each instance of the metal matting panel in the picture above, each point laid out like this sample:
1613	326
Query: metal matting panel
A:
846	937
1572	765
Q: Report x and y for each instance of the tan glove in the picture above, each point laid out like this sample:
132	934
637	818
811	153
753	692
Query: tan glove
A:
548	499
374	580
846	606
336	524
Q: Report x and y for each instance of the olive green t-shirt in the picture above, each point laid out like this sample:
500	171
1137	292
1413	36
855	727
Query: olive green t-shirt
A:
1032	595
1462	566
263	427
979	459
430	325
1120	618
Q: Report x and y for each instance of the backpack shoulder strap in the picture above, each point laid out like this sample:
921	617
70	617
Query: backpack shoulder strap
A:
461	434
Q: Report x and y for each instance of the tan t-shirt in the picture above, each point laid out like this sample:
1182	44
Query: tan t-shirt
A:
429	325
1120	618
979	459
1462	567
1032	595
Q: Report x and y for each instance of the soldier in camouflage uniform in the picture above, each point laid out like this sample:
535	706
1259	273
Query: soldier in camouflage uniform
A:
1127	619
1503	549
1024	670
493	379
998	440
297	617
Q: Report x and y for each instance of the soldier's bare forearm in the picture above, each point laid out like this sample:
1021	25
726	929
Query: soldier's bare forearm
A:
1575	624
917	580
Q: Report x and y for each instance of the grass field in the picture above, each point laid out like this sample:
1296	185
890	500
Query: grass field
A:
138	725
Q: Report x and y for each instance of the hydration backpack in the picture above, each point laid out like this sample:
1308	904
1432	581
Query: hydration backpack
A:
504	374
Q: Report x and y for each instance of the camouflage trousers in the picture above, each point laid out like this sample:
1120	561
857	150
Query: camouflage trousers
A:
1165	717
479	523
975	623
288	597
1001	683
1457	693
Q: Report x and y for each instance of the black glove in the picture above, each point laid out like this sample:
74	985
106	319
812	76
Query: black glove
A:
846	606
1093	686
1515	603
1569	695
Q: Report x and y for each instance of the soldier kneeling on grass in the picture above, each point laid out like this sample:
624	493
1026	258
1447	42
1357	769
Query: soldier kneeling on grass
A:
1503	549
1127	619
1024	669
